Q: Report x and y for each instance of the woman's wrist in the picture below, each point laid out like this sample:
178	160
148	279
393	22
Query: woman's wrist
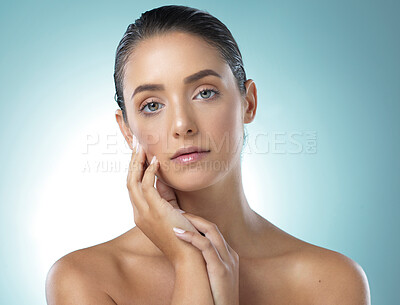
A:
192	285
188	259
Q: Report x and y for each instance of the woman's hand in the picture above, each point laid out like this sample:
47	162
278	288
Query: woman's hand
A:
154	214
222	261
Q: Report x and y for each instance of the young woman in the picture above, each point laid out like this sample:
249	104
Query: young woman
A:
184	99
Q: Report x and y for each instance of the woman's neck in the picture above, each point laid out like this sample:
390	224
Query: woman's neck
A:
224	203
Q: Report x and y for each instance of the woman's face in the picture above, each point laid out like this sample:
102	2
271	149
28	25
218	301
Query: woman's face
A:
179	110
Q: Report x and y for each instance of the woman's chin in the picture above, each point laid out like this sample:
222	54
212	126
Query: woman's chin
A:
193	176
190	181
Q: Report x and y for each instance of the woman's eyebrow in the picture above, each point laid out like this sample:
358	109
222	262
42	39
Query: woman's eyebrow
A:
187	80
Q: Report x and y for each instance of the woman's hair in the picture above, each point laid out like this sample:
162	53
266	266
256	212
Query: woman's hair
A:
170	18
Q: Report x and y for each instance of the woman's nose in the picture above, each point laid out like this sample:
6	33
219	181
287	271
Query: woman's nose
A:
183	121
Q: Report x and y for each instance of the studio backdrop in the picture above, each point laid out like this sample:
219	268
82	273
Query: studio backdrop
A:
321	159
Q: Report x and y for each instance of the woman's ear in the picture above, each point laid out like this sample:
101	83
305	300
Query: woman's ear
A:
125	129
250	103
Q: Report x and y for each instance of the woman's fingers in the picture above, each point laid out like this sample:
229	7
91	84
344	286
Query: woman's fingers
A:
149	191
134	175
210	254
138	165
223	272
167	193
141	181
212	232
149	176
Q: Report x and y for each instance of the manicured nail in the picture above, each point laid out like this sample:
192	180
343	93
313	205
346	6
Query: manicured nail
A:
181	211
153	160
178	231
137	147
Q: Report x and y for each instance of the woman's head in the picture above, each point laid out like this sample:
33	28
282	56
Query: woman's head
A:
183	53
183	19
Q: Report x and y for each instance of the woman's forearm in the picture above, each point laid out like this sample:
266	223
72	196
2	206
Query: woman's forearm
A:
192	286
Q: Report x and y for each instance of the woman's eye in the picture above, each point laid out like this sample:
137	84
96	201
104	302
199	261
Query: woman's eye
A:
152	106
206	93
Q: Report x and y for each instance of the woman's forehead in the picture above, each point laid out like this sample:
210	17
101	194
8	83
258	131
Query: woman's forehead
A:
173	51
174	42
173	57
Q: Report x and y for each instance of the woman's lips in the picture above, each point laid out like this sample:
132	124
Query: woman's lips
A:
192	157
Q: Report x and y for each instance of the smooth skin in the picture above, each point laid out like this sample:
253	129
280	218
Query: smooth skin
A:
157	212
242	257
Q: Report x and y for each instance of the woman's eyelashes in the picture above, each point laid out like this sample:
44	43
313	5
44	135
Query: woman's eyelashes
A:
216	93
153	106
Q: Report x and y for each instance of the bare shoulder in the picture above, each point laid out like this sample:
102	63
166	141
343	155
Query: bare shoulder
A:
329	277
109	273
76	278
92	275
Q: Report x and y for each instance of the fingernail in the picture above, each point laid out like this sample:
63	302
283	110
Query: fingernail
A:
181	211
137	147
177	230
153	160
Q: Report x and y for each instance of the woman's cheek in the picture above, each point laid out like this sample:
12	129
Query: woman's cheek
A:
229	130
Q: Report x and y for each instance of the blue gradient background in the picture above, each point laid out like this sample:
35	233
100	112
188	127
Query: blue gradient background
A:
330	67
